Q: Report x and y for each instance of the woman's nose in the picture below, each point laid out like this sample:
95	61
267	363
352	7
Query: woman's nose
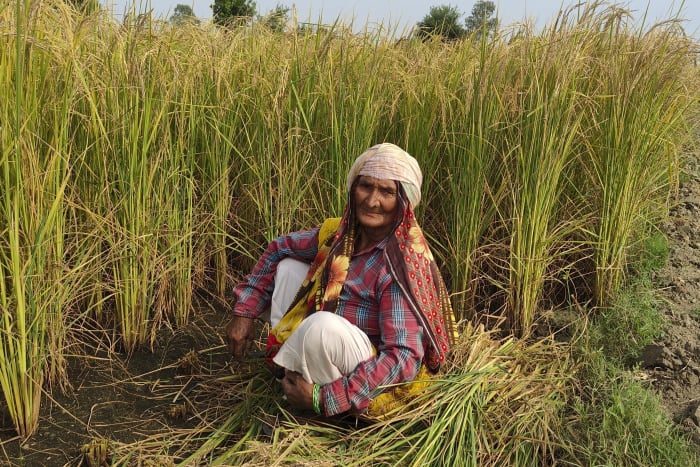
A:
373	198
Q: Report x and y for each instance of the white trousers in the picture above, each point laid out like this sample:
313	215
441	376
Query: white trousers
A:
325	346
288	278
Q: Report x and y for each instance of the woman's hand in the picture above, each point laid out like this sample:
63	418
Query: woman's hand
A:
299	393
240	332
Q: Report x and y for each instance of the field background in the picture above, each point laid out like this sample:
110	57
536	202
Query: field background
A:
145	167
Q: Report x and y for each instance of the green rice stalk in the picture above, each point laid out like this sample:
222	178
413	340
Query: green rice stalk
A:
151	204
37	280
496	404
541	141
632	122
472	129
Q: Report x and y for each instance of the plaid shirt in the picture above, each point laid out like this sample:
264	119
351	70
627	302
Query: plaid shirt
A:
370	299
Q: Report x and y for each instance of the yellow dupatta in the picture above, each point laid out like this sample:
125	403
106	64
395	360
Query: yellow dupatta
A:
311	287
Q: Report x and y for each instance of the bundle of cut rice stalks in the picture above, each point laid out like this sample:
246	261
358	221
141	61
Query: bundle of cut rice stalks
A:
498	402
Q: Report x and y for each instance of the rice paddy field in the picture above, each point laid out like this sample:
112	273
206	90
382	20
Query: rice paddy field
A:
145	166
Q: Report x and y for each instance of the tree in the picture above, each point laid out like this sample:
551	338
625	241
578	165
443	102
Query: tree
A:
480	21
228	11
276	19
183	14
441	21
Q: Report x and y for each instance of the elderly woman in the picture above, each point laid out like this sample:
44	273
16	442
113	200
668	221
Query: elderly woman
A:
357	305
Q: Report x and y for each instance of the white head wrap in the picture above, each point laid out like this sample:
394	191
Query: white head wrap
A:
387	161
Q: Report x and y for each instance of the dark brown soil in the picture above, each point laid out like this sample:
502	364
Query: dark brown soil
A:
119	398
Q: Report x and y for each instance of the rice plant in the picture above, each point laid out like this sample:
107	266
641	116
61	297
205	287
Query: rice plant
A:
35	167
546	127
634	130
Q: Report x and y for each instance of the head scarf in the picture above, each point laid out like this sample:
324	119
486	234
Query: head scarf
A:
387	161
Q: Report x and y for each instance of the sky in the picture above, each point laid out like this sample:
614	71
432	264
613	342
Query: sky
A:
403	14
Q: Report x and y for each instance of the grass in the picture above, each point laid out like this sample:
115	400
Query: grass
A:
695	313
35	288
630	324
634	319
619	421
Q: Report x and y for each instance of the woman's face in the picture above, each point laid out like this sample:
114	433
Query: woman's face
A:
376	203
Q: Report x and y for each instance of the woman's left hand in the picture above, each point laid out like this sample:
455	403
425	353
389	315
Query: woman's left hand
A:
299	393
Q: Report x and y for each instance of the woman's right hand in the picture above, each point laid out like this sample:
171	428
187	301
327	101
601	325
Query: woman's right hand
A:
240	332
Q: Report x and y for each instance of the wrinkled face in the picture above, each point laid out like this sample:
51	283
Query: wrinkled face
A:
376	203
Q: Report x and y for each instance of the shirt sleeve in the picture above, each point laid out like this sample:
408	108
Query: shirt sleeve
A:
398	358
254	293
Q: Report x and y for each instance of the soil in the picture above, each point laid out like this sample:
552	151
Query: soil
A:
122	398
126	398
673	363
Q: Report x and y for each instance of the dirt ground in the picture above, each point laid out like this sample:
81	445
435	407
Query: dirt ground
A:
673	364
127	399
121	398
